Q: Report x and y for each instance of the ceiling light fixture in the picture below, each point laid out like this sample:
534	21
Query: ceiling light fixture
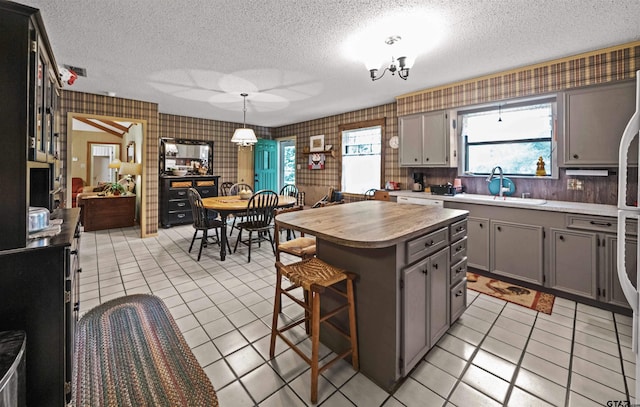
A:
244	137
402	68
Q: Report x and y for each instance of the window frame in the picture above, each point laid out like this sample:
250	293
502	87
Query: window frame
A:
383	143
553	99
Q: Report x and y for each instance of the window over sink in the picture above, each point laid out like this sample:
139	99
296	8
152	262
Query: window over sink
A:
511	135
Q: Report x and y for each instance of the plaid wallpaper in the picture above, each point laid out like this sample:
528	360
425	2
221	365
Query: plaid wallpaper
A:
606	65
225	153
329	126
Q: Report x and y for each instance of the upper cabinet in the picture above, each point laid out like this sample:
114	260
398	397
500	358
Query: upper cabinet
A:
425	140
28	84
594	119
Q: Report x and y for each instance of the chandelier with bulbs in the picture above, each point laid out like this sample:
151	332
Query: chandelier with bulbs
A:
244	137
397	64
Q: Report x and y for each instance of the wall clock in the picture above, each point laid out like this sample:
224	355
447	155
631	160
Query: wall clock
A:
394	142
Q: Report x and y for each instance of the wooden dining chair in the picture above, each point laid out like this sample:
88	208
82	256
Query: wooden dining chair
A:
203	220
225	187
258	219
290	190
370	194
235	190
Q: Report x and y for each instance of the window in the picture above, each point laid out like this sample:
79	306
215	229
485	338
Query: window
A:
512	137
287	162
361	158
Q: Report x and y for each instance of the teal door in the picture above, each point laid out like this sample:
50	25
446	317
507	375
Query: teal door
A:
266	165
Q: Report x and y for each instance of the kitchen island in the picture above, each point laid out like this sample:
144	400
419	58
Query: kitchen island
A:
411	286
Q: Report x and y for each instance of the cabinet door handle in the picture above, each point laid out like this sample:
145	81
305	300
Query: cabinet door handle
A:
600	223
561	238
576	156
415	159
424	271
426	159
481	225
499	229
435	266
459	293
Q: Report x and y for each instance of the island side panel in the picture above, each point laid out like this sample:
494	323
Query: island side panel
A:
377	308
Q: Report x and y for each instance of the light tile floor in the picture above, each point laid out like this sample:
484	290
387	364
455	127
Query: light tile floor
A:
496	354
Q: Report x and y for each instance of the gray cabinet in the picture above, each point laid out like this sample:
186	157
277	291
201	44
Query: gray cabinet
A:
425	306
574	262
516	251
424	140
478	243
614	290
594	119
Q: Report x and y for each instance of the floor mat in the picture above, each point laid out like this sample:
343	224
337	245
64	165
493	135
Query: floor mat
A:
130	352
516	294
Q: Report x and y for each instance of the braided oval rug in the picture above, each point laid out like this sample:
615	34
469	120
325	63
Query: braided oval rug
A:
130	352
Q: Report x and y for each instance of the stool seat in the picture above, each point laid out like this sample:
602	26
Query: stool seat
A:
303	247
314	276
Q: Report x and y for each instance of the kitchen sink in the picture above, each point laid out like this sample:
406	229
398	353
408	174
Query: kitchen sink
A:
497	199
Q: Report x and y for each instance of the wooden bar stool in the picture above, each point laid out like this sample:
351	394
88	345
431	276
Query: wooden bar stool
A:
303	246
315	276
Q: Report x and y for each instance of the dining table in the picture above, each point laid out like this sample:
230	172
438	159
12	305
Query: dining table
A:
232	205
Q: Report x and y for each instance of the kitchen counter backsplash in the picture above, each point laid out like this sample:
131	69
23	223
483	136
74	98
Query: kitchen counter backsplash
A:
600	190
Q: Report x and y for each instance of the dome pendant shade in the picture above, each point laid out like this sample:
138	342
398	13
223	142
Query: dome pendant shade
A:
244	137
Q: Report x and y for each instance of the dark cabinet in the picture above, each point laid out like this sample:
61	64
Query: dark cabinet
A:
175	208
29	81
39	295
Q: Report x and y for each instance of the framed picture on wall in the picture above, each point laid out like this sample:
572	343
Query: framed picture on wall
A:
316	143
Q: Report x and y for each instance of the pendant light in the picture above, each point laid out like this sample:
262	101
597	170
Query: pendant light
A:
244	137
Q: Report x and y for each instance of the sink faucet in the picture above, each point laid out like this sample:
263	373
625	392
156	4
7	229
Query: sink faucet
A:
501	189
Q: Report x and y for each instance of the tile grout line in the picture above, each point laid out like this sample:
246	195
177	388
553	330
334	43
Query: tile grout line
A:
624	377
567	396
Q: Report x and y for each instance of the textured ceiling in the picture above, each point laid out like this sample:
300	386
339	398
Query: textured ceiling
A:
195	57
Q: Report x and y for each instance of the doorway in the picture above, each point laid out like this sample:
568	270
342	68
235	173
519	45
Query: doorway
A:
123	135
265	161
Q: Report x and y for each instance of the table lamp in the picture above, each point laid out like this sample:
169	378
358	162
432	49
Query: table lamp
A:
115	164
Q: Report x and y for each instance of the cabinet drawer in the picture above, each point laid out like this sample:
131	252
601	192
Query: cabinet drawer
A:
599	224
179	205
459	250
458	271
178	193
180	184
427	244
458	300
458	230
206	192
179	217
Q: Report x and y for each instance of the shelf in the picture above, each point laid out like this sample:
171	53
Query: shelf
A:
332	153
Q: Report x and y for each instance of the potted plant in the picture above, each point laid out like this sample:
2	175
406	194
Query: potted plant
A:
114	188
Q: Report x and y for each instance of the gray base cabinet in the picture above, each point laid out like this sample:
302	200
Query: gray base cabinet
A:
516	251
478	243
614	290
574	262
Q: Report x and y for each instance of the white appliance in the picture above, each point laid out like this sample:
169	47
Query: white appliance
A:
629	212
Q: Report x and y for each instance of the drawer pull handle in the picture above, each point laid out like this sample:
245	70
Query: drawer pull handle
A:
182	193
460	229
181	204
182	215
429	243
205	191
459	270
459	293
74	252
458	248
608	224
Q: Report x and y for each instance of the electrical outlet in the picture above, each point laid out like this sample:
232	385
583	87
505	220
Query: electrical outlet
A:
574	184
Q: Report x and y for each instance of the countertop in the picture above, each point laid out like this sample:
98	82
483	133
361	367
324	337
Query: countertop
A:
370	224
553	206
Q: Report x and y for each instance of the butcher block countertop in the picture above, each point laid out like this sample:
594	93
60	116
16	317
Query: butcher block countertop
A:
369	224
